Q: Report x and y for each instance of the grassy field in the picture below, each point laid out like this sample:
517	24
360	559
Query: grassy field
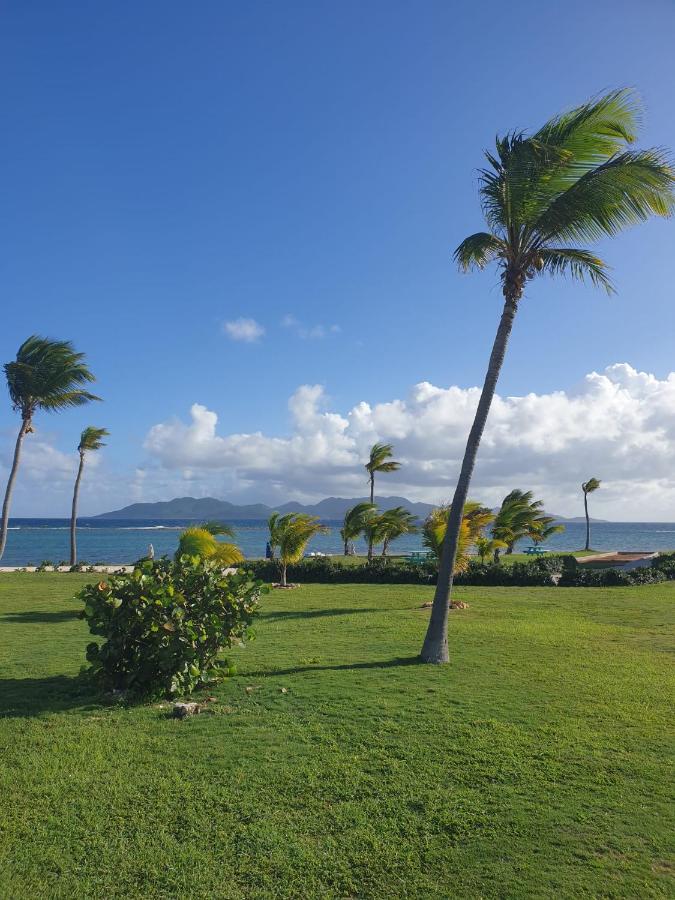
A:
334	765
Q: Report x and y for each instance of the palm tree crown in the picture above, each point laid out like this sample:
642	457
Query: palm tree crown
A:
380	460
573	180
47	375
92	439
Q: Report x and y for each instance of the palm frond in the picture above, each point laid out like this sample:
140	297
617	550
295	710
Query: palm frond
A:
624	191
478	250
217	528
92	439
579	264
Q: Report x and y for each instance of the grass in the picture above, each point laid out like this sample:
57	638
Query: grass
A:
535	765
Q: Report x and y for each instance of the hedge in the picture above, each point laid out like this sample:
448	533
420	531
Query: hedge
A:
545	571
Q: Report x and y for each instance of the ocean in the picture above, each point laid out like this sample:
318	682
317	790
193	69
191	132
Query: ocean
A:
32	541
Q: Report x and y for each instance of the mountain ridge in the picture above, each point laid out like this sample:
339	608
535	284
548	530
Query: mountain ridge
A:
201	508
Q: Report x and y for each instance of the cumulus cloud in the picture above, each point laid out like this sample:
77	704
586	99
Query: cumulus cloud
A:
308	332
618	425
247	330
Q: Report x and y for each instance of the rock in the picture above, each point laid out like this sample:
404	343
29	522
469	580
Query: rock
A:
283	690
181	710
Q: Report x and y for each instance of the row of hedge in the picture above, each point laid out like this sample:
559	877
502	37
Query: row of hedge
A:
543	572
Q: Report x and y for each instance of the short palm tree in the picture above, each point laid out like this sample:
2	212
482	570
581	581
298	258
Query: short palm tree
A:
380	460
517	518
475	520
200	540
293	532
46	375
485	547
383	528
91	439
571	182
355	522
588	487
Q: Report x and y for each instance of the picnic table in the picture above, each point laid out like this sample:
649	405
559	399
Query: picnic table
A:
534	551
418	557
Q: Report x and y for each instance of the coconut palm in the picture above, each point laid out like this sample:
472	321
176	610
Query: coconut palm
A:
571	182
293	532
272	524
516	519
91	439
475	520
588	487
389	525
380	460
46	375
355	522
200	540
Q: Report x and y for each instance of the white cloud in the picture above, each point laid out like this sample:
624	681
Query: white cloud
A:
618	426
242	329
309	332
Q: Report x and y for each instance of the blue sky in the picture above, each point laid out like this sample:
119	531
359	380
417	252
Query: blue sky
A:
168	167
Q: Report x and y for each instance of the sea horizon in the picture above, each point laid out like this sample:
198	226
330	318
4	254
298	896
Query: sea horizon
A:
33	540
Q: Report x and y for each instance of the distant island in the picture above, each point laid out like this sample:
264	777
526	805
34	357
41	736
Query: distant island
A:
204	508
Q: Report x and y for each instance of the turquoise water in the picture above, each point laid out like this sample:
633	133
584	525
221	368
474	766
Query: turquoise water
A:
31	541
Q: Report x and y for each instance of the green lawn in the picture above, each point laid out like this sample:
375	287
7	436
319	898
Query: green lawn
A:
535	765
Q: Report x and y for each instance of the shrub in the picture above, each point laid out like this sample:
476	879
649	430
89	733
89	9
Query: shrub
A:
165	625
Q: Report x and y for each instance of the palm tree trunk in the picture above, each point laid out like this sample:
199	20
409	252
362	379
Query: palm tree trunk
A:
588	523
23	431
435	647
372	500
73	514
346	553
283	574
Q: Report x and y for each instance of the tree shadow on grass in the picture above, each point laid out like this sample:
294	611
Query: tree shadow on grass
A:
342	667
315	613
62	615
27	697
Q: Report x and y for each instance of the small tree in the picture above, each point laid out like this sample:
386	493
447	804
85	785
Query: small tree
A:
394	523
91	439
293	532
200	540
588	487
355	521
475	518
486	547
164	627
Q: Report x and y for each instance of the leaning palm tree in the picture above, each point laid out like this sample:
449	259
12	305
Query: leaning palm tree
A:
355	522
588	487
573	181
380	460
46	375
394	523
293	532
91	439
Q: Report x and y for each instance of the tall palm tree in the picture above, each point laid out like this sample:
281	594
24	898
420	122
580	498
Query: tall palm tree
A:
293	532
572	181
90	439
47	375
380	460
355	522
588	487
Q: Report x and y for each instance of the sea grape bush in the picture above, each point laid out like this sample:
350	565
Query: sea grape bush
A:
165	625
